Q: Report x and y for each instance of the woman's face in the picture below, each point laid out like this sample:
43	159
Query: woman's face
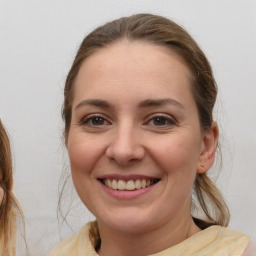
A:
135	143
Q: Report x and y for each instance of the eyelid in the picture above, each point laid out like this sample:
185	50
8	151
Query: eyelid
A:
168	116
171	119
89	117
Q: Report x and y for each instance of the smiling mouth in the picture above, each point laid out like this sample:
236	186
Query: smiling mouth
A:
129	185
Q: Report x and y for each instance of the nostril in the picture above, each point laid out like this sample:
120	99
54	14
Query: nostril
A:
125	152
124	155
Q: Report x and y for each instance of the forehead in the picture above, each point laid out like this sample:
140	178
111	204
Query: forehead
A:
133	65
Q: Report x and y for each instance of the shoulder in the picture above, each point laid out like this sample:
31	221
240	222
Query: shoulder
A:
230	242
234	234
78	244
66	247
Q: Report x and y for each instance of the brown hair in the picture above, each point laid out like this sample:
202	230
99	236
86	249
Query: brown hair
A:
161	31
9	202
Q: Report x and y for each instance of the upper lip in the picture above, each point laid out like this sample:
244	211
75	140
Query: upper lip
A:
127	177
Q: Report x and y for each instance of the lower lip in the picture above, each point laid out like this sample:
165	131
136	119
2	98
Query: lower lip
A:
126	194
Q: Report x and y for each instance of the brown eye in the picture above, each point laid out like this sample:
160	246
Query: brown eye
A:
94	121
159	121
162	121
97	121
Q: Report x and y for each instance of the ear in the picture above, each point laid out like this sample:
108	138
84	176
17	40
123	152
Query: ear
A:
1	195
208	148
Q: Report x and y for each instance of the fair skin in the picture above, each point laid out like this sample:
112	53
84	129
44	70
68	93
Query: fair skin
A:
134	118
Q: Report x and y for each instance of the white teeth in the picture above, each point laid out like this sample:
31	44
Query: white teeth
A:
127	185
138	184
108	183
143	183
130	185
114	184
121	185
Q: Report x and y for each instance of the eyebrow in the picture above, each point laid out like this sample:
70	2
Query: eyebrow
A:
93	102
160	102
144	104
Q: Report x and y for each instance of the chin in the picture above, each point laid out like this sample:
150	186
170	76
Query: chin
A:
130	222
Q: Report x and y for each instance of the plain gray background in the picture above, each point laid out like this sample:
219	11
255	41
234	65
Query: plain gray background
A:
38	40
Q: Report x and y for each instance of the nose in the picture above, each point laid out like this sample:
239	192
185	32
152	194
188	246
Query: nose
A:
126	145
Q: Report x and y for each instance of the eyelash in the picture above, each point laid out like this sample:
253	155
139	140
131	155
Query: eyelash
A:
170	121
91	118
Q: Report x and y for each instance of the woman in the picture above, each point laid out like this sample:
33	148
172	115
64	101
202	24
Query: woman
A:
9	206
141	137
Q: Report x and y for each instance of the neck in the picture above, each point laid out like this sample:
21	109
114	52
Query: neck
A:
116	243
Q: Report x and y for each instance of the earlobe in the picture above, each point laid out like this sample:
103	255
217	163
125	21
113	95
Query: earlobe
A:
209	145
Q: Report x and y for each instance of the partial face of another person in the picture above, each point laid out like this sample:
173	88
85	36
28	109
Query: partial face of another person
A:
135	142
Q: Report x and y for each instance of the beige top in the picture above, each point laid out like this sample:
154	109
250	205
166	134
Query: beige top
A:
214	241
10	248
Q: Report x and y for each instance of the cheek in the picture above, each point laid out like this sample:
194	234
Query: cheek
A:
81	154
177	154
84	153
